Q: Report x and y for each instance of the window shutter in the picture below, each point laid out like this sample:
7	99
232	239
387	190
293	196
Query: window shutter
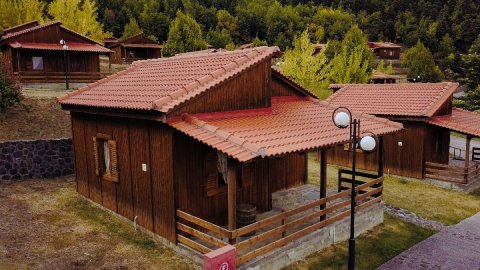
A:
95	156
112	147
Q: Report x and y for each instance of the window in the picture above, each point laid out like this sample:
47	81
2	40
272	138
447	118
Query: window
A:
215	172
105	155
37	63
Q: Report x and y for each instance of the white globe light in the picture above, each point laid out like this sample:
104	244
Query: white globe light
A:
368	143
342	119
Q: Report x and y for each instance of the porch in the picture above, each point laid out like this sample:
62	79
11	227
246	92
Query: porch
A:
297	214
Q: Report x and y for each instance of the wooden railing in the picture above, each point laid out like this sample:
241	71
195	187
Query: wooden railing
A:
453	173
457	153
57	77
345	178
278	230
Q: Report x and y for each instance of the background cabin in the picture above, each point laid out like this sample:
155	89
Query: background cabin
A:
215	130
385	50
110	41
422	149
138	47
33	53
382	78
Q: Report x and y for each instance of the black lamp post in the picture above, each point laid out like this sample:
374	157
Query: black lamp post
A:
342	118
65	62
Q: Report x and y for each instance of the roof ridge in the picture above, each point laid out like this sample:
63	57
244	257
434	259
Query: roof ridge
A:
78	34
24	31
228	136
238	63
447	91
20	25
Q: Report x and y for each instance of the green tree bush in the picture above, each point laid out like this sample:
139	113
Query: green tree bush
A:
185	35
9	90
422	68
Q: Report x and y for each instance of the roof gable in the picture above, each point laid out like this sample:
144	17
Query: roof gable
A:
43	37
294	85
165	83
403	99
140	38
20	27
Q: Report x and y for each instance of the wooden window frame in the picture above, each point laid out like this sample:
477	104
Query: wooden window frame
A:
43	63
99	142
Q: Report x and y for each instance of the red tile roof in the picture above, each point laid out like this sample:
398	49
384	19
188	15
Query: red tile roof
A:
377	45
402	99
162	84
292	124
72	46
460	120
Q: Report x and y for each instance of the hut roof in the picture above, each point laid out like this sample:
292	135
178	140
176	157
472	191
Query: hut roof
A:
72	46
164	83
292	124
460	120
403	99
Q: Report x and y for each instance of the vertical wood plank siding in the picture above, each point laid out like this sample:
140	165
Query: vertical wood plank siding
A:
148	195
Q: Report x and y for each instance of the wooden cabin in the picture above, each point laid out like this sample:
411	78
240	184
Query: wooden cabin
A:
32	53
421	150
179	142
138	47
382	78
385	50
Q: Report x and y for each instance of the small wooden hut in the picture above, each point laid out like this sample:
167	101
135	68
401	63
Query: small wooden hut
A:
138	47
385	50
422	149
178	142
33	53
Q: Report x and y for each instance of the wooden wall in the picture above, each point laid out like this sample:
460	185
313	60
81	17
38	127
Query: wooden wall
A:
268	176
280	88
51	34
249	90
148	195
406	160
388	53
437	144
7	59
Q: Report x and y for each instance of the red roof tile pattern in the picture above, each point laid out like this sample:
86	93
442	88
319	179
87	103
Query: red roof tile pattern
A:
293	124
164	83
402	99
72	46
377	45
460	120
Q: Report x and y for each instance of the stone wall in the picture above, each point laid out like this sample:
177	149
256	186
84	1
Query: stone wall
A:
36	159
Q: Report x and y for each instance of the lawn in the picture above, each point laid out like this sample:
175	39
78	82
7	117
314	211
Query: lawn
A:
46	224
373	248
446	206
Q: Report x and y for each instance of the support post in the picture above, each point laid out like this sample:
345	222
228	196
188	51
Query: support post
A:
232	197
351	241
110	63
467	157
323	179
381	157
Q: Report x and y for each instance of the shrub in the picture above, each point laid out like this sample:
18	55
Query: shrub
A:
9	90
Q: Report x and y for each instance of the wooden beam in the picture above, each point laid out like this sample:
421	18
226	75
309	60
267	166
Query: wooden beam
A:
467	155
232	194
323	179
381	156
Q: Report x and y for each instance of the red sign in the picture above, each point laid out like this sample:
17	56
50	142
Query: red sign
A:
220	259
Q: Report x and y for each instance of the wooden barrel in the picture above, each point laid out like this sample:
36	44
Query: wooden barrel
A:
246	215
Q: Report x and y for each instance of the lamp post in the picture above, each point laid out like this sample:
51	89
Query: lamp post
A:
65	62
342	118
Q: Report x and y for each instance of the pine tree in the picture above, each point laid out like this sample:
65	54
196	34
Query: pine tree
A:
304	66
185	35
471	66
131	29
354	62
422	68
79	16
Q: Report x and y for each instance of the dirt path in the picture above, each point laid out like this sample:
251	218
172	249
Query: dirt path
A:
47	225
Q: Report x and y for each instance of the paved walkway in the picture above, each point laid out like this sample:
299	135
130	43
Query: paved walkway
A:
460	142
457	247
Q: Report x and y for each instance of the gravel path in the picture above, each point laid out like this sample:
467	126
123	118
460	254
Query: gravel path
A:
457	247
410	217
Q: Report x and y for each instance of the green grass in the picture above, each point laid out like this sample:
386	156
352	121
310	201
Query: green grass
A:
373	248
446	206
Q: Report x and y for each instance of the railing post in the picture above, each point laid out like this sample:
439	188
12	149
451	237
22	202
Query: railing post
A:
284	233
339	180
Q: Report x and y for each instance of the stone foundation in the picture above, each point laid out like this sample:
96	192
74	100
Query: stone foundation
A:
36	159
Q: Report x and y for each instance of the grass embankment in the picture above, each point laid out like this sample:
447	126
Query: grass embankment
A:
373	248
446	206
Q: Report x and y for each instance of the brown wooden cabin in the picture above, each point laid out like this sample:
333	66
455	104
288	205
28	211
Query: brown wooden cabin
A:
138	47
385	50
189	137
426	112
32	53
110	41
382	78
